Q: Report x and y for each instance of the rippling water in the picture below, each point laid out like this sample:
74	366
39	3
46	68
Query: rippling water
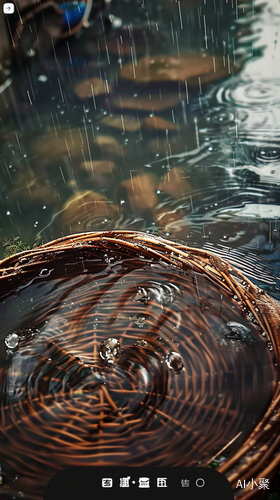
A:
127	360
169	124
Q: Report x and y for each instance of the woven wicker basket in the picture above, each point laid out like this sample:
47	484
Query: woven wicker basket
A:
259	455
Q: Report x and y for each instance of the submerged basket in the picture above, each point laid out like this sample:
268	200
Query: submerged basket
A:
73	258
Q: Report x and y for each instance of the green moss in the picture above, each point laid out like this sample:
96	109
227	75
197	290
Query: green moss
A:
14	245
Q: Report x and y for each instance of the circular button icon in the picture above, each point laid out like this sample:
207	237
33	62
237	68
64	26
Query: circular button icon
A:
200	482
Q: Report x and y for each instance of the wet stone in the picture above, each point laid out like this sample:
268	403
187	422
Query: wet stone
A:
142	102
110	350
236	331
92	87
169	68
174	183
158	123
174	362
12	341
141	192
122	122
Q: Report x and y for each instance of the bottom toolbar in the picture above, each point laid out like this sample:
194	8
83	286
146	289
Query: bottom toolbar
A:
90	482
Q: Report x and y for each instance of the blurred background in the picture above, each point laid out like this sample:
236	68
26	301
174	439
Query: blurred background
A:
155	116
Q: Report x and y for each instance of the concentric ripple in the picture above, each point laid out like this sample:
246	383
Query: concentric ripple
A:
128	351
257	93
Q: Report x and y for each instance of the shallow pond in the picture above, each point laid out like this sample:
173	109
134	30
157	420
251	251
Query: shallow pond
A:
161	117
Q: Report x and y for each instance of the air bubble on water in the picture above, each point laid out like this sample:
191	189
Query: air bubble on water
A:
12	341
236	331
174	362
23	260
44	272
43	78
110	350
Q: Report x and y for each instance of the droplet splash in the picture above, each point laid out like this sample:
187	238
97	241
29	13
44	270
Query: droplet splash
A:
110	350
236	331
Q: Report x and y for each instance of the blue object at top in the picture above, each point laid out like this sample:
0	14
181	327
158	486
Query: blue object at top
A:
73	13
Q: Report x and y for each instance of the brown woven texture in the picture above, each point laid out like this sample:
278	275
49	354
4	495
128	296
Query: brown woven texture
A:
257	456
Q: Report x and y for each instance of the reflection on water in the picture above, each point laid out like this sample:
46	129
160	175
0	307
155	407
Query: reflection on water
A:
168	123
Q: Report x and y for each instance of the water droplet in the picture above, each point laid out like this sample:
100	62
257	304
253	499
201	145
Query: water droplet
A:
43	78
44	272
23	260
110	350
174	362
141	343
236	331
139	320
12	341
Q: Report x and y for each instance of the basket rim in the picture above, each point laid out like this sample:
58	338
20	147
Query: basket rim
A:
265	438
